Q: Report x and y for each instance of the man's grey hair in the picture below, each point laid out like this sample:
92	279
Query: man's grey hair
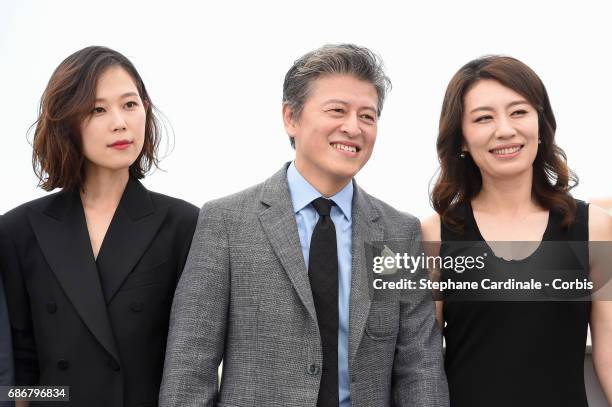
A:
347	59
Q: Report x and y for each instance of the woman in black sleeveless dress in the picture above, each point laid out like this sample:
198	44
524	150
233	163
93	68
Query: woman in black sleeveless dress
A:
503	178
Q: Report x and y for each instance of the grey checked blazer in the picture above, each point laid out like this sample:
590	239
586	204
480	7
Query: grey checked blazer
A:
244	298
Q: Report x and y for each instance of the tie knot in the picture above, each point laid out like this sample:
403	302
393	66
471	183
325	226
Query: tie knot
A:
323	206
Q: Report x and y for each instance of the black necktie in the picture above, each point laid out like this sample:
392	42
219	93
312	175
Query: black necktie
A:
323	275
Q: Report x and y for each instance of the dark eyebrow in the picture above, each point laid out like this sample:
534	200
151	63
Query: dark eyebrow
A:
482	108
509	105
518	102
344	102
125	95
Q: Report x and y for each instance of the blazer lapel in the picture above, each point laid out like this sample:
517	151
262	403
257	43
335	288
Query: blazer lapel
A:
61	232
278	222
365	230
133	227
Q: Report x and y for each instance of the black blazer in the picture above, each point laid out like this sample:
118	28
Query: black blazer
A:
99	327
6	350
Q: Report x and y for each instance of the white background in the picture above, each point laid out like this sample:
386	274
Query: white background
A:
216	71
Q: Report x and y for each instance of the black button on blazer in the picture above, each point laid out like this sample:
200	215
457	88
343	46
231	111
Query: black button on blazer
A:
98	326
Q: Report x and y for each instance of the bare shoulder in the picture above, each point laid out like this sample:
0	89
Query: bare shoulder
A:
430	227
600	224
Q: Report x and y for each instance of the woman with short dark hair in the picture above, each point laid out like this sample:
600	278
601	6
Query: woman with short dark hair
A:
504	179
90	271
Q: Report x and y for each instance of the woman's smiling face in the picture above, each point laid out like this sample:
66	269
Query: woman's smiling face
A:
500	130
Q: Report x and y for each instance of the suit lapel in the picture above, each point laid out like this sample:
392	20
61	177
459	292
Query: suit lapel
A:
61	232
278	222
365	230
132	229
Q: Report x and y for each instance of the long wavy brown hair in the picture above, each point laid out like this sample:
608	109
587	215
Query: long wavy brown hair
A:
459	179
69	98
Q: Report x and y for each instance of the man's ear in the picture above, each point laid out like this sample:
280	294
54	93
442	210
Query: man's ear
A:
289	121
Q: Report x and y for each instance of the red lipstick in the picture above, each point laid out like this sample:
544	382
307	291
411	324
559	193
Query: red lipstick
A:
120	144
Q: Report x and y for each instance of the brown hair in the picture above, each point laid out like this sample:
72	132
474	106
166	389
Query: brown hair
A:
459	179
69	98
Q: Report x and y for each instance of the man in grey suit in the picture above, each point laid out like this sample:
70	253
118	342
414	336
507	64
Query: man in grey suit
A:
276	284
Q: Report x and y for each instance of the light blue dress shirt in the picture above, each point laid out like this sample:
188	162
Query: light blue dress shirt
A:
302	194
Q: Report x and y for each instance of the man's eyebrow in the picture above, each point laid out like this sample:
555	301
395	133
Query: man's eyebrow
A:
344	102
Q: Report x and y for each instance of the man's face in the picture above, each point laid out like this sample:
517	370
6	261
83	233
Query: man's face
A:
336	130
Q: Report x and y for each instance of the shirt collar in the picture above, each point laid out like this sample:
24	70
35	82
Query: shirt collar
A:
302	193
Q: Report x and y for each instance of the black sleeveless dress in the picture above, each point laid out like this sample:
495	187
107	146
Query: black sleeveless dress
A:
519	353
